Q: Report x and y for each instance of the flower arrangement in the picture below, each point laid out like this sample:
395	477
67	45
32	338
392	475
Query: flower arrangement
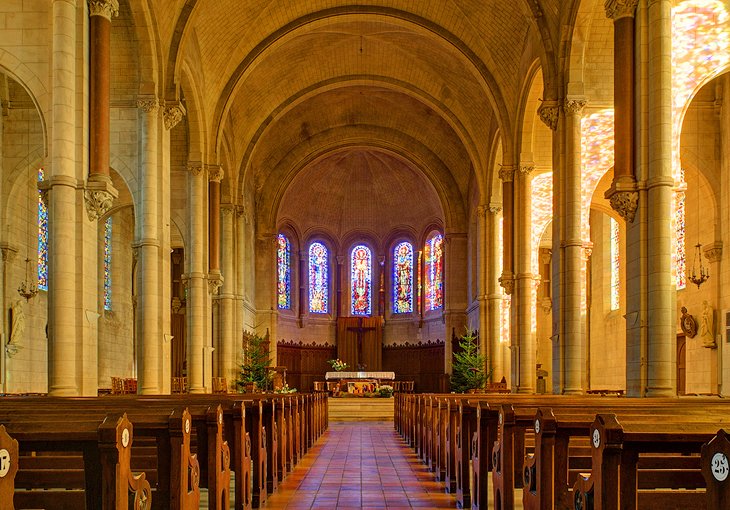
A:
286	389
337	364
385	390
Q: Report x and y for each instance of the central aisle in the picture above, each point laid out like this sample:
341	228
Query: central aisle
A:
360	465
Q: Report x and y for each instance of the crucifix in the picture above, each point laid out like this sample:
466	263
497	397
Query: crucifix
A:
359	330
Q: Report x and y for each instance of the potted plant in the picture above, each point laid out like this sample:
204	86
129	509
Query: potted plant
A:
254	368
469	367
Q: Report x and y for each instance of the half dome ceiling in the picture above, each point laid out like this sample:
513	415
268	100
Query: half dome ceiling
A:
360	190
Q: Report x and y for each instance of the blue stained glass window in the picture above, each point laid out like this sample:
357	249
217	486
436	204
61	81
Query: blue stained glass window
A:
283	277
108	264
360	277
434	269
318	279
42	237
403	278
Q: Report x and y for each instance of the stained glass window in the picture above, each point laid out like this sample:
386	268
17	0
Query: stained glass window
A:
360	278
108	264
42	237
403	278
434	269
318	279
615	266
283	277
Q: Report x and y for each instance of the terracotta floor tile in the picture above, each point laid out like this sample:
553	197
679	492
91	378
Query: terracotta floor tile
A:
360	465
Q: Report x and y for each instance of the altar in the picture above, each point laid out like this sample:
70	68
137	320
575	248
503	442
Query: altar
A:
359	383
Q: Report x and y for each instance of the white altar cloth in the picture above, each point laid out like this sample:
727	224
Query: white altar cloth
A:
360	375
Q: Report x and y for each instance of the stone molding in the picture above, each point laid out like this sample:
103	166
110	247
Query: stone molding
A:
104	8
526	169
549	113
149	104
215	173
713	252
507	282
506	173
195	169
617	9
574	106
173	114
625	203
215	282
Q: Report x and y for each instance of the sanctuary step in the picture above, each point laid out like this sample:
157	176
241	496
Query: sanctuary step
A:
360	409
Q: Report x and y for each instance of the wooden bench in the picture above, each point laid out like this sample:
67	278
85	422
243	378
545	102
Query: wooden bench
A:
104	481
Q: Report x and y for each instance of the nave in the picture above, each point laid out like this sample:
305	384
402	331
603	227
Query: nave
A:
361	465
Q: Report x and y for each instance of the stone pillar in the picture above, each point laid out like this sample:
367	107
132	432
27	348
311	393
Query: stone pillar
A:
661	330
523	343
240	268
506	279
455	290
196	309
623	194
338	284
573	288
303	279
147	244
99	193
213	363
215	175
481	261
62	312
494	295
227	354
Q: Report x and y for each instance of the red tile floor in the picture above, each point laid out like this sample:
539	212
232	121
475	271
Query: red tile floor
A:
360	465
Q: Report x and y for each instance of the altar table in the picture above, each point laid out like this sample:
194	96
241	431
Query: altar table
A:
360	375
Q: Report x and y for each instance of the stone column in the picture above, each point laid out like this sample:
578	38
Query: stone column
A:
62	312
338	284
303	279
572	247
240	268
623	194
196	309
215	175
661	340
481	261
455	290
494	294
507	278
147	244
227	354
99	193
523	343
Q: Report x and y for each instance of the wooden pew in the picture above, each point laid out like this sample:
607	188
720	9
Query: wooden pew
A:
9	454
618	450
716	470
106	480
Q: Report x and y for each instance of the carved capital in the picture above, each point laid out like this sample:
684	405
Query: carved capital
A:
587	250
195	168
506	173
574	106
625	203
616	9
546	256
176	304
482	211
8	253
215	282
713	252
228	209
98	203
526	169
215	173
104	8
495	209
547	304
548	113
173	114
507	282
148	104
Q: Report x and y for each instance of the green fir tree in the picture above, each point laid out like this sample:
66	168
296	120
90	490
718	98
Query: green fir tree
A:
255	363
469	367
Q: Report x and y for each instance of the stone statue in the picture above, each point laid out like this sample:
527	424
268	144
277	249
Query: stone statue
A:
707	326
17	327
688	324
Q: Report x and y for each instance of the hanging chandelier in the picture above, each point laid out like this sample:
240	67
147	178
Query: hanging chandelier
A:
27	288
701	276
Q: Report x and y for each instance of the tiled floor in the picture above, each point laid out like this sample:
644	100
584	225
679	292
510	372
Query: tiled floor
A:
360	465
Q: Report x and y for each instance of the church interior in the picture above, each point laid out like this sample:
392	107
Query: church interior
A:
185	175
366	182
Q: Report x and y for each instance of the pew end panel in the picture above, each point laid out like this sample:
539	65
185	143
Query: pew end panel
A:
716	470
9	453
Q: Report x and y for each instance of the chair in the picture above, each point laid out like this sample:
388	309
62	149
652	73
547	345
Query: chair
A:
319	387
179	385
130	386
117	386
396	386
406	386
333	387
220	385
